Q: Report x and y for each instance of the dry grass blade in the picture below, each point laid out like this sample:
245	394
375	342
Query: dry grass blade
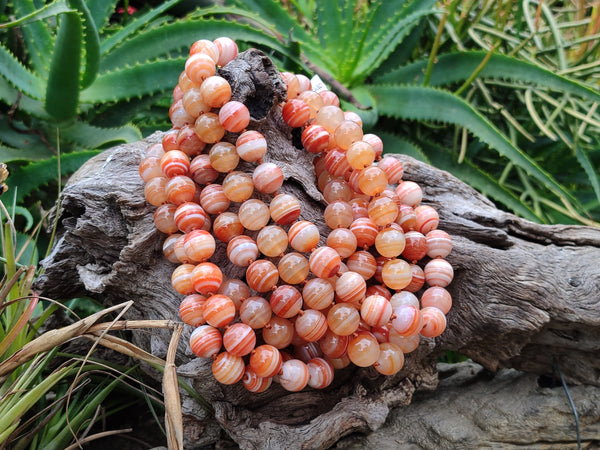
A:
133	325
101	435
125	347
173	414
54	338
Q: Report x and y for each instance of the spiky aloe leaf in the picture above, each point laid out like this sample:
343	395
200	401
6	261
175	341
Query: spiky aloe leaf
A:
90	137
9	154
13	136
392	143
101	11
334	27
25	103
91	43
455	67
134	81
62	90
423	103
45	12
18	76
587	165
178	36
28	178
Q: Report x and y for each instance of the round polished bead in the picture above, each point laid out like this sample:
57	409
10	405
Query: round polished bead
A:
363	263
409	193
272	241
292	84
329	117
379	289
294	375
382	210
193	104
360	155
238	186
396	274
438	272
236	290
437	297
311	325
350	287
242	251
227	368
338	214
376	310
202	171
407	321
207	278
343	319
359	207
365	231
198	67
168	142
267	178
226	226
228	50
239	339
320	372
174	163
329	98
322	180
439	244
418	279
393	168
334	345
234	116
391	359
255	311
254	214
213	200
206	47
363	349
313	100
293	268
372	180
375	142
405	343
181	279
381	333
151	167
415	246
189	142
191	310
154	191
164	219
219	310
404	298
265	361
390	242
318	294
347	133
278	332
407	218
337	164
295	113
206	341
285	301
223	157
262	275
343	241
179	251
427	219
434	322
215	91
324	262
180	189
199	245
178	115
169	247
315	138
337	189
209	128
284	209
253	382
303	236
251	146
190	216
304	83
185	83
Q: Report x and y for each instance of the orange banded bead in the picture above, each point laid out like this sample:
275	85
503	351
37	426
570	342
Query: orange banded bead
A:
199	245
267	178
363	349
320	373
207	279
226	226
242	250
180	189
190	216
396	274
343	241
215	91
213	200
284	209
278	332
294	375
439	244
181	279
434	322
219	310
427	219
376	310
350	287
251	146
164	219
238	186
286	301
318	294
315	139
209	128
202	171
407	321
438	272
228	50
253	382
254	214
234	116
272	241
174	163
293	268
154	191
206	341
324	262
303	236
228	368
438	297
265	361
239	339
151	167
262	275
391	359
295	113
255	311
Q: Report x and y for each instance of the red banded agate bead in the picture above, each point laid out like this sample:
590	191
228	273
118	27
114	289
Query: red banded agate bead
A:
409	193
382	210
438	272
318	294
151	167
376	310
393	168
175	162
198	67
343	241
213	200
265	361
267	178
347	133
391	359
262	275
405	343
295	113
333	345
193	104
219	310
418	279
253	382
343	319
239	339
202	171
434	322
181	279
209	128
407	321
228	368
396	274
164	219
363	349
238	186
415	246
215	91
228	50
375	142
242	250
251	146
365	231
363	263
437	297
190	216
390	242
284	209
272	241
315	139
254	214
285	301
234	116
303	236
236	290
427	219
350	287
207	278
293	268
320	372
191	310
154	191
372	180
180	189
189	142
439	244
294	375
324	262
226	226
206	47
199	245
360	154
223	157
206	341
278	332
255	311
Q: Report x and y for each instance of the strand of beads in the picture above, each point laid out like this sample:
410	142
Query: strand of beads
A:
300	314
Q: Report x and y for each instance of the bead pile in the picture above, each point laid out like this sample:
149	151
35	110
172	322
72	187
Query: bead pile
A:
300	313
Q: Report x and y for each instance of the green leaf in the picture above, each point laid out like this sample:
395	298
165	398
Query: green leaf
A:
49	10
393	143
18	76
37	38
588	167
91	137
91	41
62	91
20	140
454	67
101	11
24	103
8	154
424	103
134	81
35	175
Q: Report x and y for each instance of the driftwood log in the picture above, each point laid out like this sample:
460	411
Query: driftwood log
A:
526	297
